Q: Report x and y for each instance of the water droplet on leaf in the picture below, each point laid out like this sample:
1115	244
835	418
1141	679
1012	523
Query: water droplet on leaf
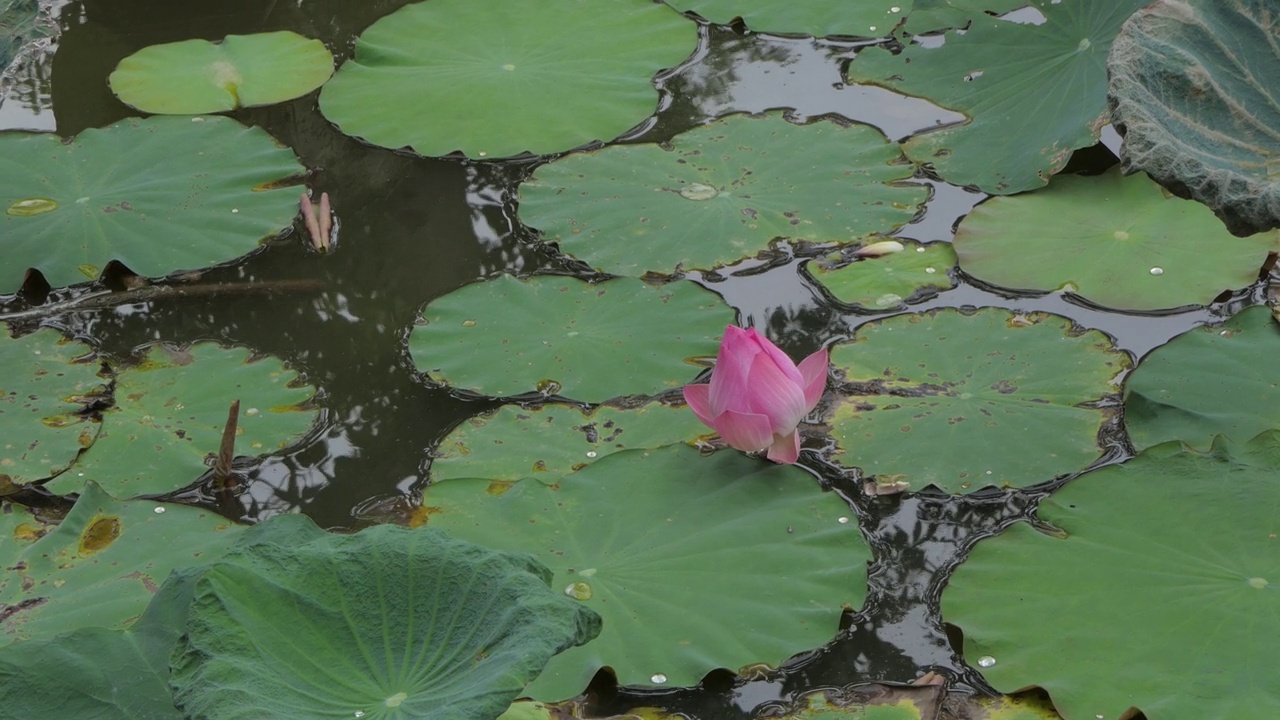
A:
31	207
698	191
658	678
986	661
579	591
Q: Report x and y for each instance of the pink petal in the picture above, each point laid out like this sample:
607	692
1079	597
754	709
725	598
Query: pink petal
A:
784	363
775	395
813	371
696	396
729	389
785	448
745	431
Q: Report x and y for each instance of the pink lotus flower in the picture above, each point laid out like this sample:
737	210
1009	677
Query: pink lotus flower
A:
757	395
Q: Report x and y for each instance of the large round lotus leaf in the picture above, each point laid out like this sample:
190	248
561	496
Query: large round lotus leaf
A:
1215	380
888	281
865	18
101	565
385	624
1163	596
588	342
963	401
720	193
506	76
170	411
1193	91
1117	241
197	76
555	440
1032	93
666	544
159	195
43	393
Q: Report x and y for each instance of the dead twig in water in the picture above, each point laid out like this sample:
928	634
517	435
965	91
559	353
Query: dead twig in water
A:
223	479
106	299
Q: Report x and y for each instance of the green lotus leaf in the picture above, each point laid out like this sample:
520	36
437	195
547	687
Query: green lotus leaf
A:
1032	93
1210	381
196	76
43	395
512	77
159	195
553	441
916	273
552	334
665	544
1171	610
384	624
966	400
101	565
170	411
822	18
1192	92
720	193
1117	241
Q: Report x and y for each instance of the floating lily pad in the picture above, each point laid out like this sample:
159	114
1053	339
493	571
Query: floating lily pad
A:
720	193
588	342
1117	241
1033	93
43	395
101	565
159	195
170	411
1214	380
196	76
665	544
507	77
1192	92
1133	609
385	624
821	18
553	441
963	401
889	281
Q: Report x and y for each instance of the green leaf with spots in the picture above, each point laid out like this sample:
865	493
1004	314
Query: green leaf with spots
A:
1117	241
385	624
719	193
1210	381
159	195
965	400
170	411
196	76
1032	93
552	441
101	565
822	18
507	76
1193	91
915	273
44	393
665	544
1136	609
558	335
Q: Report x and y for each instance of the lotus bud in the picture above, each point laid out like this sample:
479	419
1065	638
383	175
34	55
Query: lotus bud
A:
884	247
757	395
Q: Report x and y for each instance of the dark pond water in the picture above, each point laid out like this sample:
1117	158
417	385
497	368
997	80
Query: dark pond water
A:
413	229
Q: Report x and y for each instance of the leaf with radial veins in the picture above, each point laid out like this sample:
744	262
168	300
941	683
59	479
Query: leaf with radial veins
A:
552	441
196	76
1033	93
1210	381
966	400
720	193
822	18
1193	90
160	194
890	281
1171	609
665	544
102	564
385	624
583	341
44	393
504	77
1117	241
170	411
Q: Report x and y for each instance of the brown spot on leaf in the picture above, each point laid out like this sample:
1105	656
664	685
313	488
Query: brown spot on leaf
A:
99	534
